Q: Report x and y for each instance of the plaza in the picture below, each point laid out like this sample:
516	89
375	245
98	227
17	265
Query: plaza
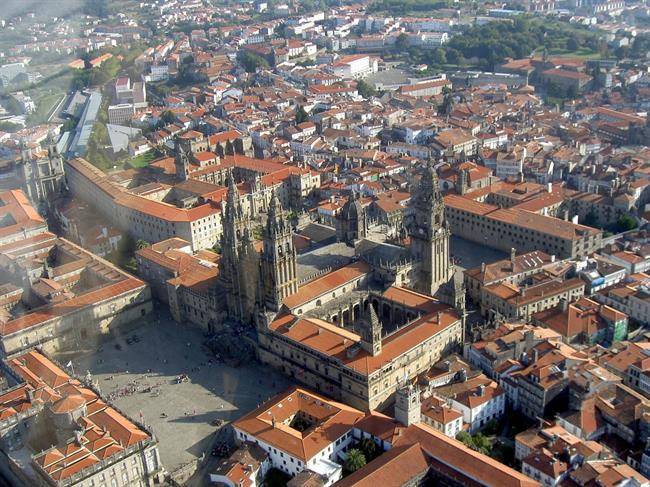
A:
179	414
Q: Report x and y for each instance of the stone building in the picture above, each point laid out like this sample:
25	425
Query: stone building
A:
56	294
352	221
42	176
239	265
430	235
278	258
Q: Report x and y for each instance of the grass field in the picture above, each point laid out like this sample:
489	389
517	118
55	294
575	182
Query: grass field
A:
143	160
583	53
45	103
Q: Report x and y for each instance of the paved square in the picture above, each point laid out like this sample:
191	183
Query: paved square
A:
468	254
164	351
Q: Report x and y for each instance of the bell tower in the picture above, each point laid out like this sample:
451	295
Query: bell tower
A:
430	235
407	405
278	260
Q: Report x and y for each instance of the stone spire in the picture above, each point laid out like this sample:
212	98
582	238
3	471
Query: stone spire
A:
278	259
430	235
371	331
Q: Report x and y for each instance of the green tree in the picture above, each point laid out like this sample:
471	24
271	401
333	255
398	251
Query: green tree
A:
447	105
465	438
355	460
365	89
168	117
252	61
591	219
626	223
229	150
481	444
402	42
478	442
439	57
572	44
368	447
10	127
141	244
301	115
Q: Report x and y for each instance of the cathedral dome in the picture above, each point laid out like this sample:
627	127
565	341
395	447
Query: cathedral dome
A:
352	208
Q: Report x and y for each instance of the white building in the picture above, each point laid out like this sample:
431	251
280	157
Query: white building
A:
354	66
480	405
300	430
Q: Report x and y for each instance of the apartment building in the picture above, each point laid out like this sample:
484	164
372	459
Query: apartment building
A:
511	271
521	302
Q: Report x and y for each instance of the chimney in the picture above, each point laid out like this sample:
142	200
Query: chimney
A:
483	266
481	390
553	258
549	187
513	254
565	304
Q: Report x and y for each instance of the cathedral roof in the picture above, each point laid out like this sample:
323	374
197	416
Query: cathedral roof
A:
352	209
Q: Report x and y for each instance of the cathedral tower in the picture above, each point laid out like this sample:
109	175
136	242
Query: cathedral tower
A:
278	260
429	234
237	267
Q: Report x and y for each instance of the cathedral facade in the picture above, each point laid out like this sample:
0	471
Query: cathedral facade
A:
250	279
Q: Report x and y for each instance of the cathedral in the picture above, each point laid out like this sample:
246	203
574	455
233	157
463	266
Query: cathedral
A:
252	279
357	331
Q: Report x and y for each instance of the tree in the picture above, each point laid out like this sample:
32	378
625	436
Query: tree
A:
10	127
365	89
447	104
478	442
626	223
465	438
572	44
301	115
402	42
368	448
439	57
572	92
591	218
229	150
355	460
168	117
141	244
251	61
481	444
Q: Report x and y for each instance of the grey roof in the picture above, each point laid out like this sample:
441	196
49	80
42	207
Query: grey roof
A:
381	253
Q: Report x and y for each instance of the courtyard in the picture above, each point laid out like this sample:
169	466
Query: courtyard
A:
468	254
181	415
